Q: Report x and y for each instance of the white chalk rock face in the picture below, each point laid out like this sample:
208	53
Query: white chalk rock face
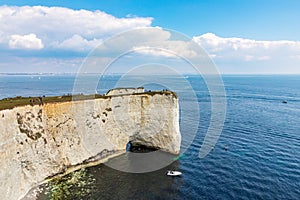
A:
37	142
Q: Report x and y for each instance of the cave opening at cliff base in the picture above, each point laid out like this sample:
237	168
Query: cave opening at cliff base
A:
139	148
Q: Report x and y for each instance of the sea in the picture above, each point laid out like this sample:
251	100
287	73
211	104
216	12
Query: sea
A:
256	156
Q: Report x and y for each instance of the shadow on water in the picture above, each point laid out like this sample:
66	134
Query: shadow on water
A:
104	182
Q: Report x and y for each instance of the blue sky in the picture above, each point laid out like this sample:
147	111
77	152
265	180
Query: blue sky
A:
256	30
253	19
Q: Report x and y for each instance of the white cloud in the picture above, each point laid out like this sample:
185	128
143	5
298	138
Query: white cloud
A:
153	51
77	43
246	49
29	41
153	41
167	48
60	27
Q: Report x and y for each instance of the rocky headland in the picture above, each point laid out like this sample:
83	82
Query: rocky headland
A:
39	141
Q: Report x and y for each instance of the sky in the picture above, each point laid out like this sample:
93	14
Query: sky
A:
240	36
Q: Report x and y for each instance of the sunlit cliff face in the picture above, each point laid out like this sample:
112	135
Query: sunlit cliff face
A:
42	140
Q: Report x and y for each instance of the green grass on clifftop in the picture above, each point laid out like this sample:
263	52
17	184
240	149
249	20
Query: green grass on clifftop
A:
10	103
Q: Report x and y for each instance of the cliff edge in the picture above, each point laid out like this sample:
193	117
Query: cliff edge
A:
40	141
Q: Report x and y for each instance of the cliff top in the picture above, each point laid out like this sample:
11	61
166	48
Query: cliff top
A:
120	91
10	103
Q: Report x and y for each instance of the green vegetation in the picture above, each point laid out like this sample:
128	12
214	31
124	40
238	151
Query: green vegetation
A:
165	92
9	103
76	185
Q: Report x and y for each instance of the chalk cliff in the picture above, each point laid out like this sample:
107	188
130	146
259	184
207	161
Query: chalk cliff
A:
40	141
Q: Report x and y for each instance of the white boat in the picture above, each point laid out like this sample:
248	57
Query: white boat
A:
173	173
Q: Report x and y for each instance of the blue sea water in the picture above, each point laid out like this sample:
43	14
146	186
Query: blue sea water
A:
261	132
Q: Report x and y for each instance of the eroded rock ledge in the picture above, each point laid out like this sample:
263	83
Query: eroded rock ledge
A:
40	141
